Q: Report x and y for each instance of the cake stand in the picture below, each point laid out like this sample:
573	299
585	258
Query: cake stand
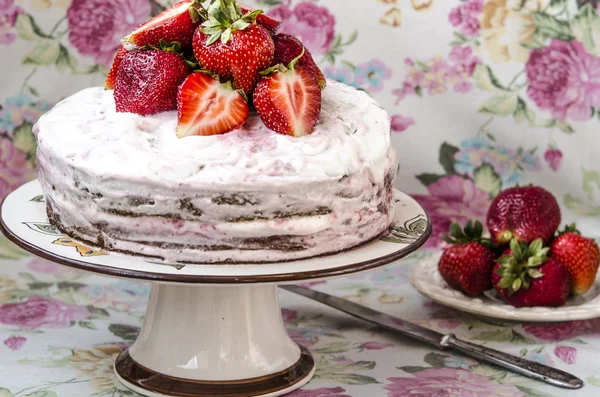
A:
210	330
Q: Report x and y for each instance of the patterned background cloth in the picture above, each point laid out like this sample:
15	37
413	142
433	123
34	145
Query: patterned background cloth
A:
484	94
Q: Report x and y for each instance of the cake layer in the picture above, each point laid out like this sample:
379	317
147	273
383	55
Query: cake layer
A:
125	182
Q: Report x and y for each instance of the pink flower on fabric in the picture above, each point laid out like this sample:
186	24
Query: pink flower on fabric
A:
97	26
565	79
567	354
14	169
434	382
322	392
312	24
553	157
554	331
15	342
8	16
374	345
449	323
37	312
288	315
465	17
401	123
43	266
452	199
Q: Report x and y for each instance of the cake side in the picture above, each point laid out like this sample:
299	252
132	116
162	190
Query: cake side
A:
247	196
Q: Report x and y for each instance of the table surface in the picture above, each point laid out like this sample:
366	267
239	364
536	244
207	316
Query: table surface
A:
62	328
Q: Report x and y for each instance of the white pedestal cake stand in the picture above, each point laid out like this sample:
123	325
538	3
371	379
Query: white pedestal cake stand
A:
210	330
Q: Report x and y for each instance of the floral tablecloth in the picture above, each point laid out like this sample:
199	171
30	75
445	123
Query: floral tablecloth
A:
61	329
484	94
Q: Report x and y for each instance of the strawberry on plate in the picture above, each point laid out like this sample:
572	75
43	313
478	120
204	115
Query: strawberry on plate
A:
111	78
176	24
524	276
207	107
233	46
467	264
523	212
580	255
147	81
288	99
272	25
288	47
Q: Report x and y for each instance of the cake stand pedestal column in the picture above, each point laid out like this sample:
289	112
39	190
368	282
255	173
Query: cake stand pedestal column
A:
200	340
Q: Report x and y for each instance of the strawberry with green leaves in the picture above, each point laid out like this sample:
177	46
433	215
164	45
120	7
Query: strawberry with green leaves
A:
580	255
525	276
288	99
176	24
272	25
467	264
233	46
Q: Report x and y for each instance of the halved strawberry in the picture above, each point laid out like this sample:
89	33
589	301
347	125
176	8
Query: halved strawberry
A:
288	99
207	107
288	47
111	78
177	23
262	19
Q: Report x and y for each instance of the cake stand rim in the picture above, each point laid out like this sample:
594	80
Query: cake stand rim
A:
278	278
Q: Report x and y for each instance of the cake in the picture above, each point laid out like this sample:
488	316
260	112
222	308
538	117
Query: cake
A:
124	182
217	140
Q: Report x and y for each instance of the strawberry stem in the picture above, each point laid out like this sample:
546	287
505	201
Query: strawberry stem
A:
521	266
224	18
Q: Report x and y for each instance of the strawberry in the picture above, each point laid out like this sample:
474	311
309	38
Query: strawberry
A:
580	255
526	213
272	25
287	47
525	276
176	24
207	107
111	78
147	81
233	46
467	264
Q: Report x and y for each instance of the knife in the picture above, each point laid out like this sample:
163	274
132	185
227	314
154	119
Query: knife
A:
512	363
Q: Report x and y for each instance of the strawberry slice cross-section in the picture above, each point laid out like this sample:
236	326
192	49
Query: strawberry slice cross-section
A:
207	107
288	99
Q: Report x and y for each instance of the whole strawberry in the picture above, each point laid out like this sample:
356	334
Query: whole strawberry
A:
288	99
524	276
525	213
580	255
147	81
233	46
176	24
467	264
287	47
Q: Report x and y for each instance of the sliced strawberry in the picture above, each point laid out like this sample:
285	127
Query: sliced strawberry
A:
207	107
111	78
289	100
147	82
288	47
177	23
272	25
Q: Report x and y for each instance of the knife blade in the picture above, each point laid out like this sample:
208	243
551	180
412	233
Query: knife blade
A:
512	363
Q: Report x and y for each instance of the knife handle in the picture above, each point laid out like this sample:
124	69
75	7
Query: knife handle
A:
522	366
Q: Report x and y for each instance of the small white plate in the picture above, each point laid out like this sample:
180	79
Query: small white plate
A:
427	280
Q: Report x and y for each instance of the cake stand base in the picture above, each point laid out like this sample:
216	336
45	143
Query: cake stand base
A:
201	340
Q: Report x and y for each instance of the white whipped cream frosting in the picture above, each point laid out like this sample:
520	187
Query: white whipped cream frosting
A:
353	132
